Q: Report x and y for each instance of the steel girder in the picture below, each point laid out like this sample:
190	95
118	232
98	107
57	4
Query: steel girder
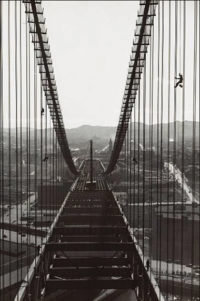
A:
40	41
141	41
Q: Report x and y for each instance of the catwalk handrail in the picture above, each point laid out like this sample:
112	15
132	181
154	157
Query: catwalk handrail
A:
141	40
38	30
26	283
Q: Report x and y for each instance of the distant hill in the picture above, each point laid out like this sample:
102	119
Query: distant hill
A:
101	134
168	130
86	132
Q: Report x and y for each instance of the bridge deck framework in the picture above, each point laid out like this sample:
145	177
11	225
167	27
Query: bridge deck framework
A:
91	247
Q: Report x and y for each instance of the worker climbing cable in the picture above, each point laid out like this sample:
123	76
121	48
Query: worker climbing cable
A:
45	158
147	265
135	160
42	111
180	81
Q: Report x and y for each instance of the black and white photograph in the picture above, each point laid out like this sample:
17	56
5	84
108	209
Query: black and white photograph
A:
99	150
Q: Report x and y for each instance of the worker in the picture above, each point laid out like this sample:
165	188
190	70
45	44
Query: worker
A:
38	249
180	81
135	161
45	158
42	111
147	264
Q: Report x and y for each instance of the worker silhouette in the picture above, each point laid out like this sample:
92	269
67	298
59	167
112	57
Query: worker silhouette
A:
45	158
135	161
38	249
180	81
147	264
42	111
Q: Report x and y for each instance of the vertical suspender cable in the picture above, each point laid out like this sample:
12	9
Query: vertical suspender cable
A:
183	147
134	166
54	181
198	228
127	179
143	155
157	143
41	199
9	137
168	140
45	156
51	165
27	132
57	181
1	135
124	170
151	158
130	172
16	130
48	165
20	121
175	135
30	136
138	165
128	166
35	143
194	143
161	133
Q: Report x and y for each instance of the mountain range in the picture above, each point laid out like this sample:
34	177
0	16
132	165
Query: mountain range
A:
102	134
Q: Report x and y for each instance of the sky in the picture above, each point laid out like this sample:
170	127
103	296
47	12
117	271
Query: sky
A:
90	45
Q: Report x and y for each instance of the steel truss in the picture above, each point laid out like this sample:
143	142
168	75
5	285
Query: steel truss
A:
141	41
36	20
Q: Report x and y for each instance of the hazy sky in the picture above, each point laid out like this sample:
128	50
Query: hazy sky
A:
90	45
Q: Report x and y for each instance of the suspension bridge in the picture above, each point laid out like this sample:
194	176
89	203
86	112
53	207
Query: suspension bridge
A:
124	225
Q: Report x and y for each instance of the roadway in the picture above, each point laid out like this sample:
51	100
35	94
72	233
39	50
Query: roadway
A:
14	277
14	214
19	237
16	211
182	181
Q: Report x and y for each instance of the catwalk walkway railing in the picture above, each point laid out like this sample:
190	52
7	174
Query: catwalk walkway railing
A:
155	160
144	205
90	246
141	42
36	21
34	149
